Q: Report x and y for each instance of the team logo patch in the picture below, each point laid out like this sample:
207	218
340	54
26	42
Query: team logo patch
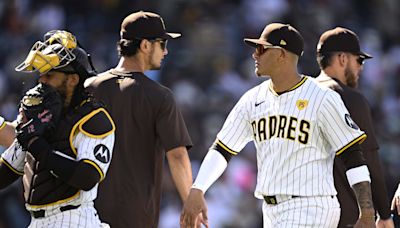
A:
301	104
102	153
350	122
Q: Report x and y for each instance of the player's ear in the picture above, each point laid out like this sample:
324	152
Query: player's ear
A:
282	54
145	45
73	79
342	58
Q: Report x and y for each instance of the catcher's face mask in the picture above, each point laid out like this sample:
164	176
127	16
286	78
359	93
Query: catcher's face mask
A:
54	53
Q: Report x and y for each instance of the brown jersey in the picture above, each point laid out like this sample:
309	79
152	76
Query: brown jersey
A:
149	123
360	112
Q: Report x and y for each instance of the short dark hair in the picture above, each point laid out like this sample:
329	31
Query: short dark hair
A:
324	60
128	47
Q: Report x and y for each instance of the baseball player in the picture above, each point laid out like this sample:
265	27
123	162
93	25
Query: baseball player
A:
7	133
150	127
64	138
341	61
298	127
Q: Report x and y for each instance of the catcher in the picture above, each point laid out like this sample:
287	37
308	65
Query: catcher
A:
64	137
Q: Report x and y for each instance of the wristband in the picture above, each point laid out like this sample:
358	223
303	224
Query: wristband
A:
357	175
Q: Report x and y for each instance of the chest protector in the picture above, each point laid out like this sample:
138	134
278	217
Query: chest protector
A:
41	188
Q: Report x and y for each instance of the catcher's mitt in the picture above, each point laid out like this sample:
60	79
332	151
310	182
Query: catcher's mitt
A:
40	110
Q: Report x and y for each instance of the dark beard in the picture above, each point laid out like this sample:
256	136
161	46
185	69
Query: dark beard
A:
350	78
153	66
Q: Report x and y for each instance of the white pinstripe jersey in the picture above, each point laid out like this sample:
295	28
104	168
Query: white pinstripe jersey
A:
296	135
88	148
2	122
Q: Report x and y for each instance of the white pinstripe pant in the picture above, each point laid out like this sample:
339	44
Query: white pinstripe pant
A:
84	216
303	212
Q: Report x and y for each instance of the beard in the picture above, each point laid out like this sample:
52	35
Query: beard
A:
62	90
351	78
152	63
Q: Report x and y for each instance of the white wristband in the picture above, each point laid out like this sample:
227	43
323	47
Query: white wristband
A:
357	175
214	164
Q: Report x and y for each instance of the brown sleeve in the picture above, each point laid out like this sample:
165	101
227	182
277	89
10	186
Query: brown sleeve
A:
361	114
171	126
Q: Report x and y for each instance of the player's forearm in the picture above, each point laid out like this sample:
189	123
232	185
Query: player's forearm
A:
7	134
378	186
363	194
181	170
214	164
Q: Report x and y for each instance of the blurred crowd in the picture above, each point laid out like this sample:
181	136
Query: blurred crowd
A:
208	69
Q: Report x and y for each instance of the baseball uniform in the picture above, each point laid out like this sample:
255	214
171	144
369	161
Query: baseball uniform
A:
51	201
149	123
297	134
359	109
2	122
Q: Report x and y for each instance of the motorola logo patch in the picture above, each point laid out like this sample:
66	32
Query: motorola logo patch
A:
102	153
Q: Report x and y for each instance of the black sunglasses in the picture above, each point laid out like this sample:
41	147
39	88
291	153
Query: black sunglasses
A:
360	60
163	42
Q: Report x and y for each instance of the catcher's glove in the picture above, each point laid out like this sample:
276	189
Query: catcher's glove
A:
40	110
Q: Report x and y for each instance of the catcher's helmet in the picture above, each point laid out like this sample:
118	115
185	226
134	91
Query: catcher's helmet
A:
60	52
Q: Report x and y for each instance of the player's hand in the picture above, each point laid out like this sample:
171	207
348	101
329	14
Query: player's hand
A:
200	220
384	223
368	222
27	132
396	201
195	204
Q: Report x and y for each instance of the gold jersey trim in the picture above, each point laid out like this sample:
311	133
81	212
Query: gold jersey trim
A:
96	167
82	121
301	82
3	125
10	167
55	203
358	140
90	115
219	143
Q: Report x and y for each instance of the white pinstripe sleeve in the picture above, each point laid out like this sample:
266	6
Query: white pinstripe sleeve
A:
236	131
2	122
14	158
337	126
95	151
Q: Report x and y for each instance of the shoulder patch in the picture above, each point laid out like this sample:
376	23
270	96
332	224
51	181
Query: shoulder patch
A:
350	122
97	124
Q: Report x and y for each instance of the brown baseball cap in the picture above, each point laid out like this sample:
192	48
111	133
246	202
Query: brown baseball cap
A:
340	39
282	35
145	25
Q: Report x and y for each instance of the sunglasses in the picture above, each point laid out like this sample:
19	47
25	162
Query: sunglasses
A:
163	43
261	49
360	60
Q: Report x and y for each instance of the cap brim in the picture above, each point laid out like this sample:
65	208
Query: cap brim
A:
365	55
170	35
254	42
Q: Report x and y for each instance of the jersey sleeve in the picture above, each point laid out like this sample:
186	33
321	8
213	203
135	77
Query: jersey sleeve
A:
14	158
170	125
336	124
95	151
236	131
2	122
